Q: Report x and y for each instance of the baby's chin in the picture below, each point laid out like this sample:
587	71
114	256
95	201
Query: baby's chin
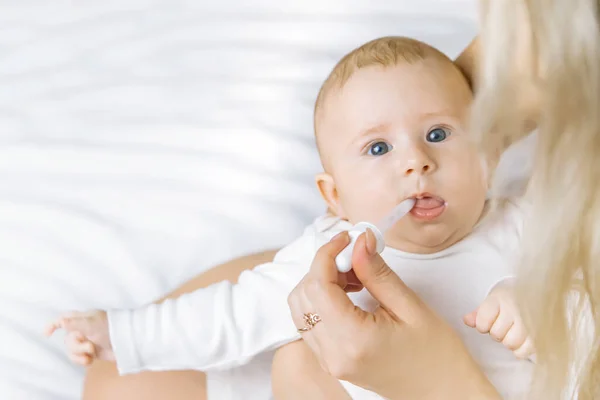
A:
429	240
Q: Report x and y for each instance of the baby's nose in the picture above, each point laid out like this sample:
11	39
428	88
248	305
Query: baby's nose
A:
419	165
422	169
418	160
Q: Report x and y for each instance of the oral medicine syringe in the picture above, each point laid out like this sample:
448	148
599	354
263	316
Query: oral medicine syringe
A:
344	258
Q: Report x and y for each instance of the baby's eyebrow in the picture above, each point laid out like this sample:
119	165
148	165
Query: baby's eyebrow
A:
372	130
366	132
447	112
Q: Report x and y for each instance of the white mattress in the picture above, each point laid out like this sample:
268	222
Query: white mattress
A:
142	142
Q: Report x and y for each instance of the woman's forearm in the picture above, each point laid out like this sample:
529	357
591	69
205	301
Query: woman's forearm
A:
469	381
479	388
466	381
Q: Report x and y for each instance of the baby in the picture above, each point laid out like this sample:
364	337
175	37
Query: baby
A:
390	124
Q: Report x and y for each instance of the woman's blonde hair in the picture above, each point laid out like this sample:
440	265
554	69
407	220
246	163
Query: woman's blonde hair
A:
541	62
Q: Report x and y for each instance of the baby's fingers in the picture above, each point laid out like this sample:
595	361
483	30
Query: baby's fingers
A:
77	343
526	350
53	327
84	322
471	319
516	336
486	316
501	326
81	350
70	322
81	359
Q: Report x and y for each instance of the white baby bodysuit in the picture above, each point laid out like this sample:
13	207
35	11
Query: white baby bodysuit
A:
230	330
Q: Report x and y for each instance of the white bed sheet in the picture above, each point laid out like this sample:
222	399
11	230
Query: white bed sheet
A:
142	142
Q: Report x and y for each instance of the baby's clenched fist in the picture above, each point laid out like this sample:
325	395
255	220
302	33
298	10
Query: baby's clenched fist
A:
499	316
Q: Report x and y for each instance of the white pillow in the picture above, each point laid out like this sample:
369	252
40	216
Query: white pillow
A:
143	142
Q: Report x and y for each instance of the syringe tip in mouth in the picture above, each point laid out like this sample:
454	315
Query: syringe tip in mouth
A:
396	215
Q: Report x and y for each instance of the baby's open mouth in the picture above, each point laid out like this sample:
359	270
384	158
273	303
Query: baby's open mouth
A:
428	202
428	207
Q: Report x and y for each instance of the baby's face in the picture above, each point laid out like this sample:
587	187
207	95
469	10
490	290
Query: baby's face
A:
399	132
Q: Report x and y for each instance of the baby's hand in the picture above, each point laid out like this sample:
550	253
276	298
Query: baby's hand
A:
87	336
499	316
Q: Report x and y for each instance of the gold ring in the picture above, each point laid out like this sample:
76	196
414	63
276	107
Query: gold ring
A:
310	320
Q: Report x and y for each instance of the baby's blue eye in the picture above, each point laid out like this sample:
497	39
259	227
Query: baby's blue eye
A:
437	135
379	149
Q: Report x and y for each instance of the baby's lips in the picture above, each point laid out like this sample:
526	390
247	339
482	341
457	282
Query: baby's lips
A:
429	202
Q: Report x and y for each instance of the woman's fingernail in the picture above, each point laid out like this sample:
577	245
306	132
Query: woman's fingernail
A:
342	236
370	242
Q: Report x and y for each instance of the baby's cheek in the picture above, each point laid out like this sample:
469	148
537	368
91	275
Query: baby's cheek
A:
472	174
468	193
369	202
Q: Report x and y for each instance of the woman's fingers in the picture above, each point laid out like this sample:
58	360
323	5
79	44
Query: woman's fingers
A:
349	282
322	293
297	304
322	284
323	267
301	305
373	349
377	277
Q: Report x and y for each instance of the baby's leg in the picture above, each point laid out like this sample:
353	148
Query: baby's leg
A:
297	375
104	383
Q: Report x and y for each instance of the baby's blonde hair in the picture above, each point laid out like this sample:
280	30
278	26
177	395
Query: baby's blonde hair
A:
385	52
561	243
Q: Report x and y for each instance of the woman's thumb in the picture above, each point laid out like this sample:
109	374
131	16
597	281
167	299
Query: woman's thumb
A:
377	277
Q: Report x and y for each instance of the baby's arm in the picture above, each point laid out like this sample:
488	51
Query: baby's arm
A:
219	326
499	316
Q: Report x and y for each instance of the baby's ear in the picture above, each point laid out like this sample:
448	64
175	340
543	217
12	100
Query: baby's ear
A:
329	193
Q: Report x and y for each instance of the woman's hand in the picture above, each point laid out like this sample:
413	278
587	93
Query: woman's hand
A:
403	350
